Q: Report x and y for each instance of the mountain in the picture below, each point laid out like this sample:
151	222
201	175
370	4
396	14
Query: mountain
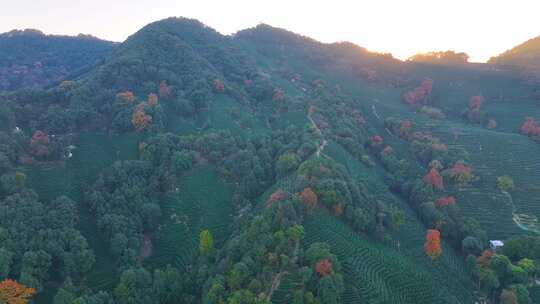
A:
523	55
267	167
29	58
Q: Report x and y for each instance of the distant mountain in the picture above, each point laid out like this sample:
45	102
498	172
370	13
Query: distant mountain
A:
523	55
29	58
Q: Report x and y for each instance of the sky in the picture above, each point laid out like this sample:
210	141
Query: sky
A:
481	28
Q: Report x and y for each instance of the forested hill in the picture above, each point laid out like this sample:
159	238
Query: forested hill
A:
29	58
266	167
525	54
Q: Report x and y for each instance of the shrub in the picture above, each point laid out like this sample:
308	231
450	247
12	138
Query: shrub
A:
505	183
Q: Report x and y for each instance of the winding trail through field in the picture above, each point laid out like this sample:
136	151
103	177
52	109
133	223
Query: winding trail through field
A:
523	221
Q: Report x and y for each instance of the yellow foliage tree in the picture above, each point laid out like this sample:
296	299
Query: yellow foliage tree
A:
12	292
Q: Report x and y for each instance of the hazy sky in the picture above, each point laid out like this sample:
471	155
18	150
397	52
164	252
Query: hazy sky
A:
481	28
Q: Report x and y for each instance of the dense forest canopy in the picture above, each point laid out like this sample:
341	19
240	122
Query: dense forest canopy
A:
29	58
185	166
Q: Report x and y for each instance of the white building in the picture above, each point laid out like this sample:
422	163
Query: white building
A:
496	244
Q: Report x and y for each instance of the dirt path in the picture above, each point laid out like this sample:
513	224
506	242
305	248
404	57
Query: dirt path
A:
321	146
275	284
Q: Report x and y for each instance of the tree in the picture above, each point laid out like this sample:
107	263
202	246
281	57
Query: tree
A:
505	183
471	246
309	198
475	102
140	120
323	267
206	243
286	163
434	179
218	86
432	246
14	293
418	95
508	297
164	90
277	196
39	144
445	201
152	99
530	127
376	140
125	97
278	95
441	57
528	265
461	173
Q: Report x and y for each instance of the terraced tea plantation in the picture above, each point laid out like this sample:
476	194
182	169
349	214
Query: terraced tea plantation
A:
202	201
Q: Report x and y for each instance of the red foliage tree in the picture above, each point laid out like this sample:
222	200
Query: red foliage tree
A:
39	144
461	173
278	95
164	90
323	267
434	179
530	127
422	136
419	94
445	201
12	292
475	102
387	151
309	198
376	140
218	86
439	147
276	196
432	246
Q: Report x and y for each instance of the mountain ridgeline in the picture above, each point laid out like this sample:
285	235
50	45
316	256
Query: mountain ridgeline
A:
185	166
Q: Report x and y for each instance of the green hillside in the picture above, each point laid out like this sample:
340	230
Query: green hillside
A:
266	167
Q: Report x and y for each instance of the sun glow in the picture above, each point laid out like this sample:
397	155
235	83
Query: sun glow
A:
403	28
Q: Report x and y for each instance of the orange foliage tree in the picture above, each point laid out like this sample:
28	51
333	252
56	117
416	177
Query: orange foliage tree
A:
152	99
432	246
140	119
125	97
485	258
323	267
12	292
309	198
434	179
